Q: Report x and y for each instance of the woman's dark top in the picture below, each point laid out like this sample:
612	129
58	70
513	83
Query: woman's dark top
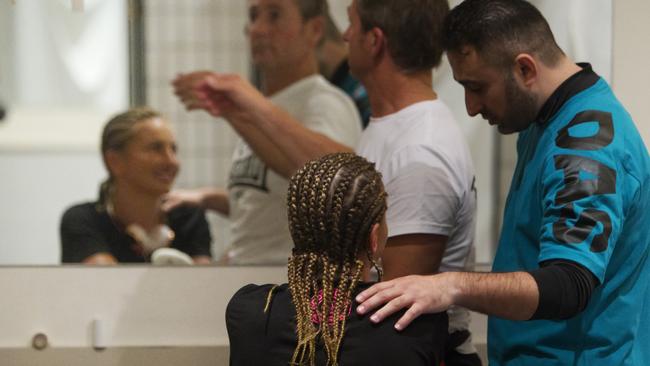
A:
86	229
258	338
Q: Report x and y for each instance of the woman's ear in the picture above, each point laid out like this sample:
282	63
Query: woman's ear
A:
114	162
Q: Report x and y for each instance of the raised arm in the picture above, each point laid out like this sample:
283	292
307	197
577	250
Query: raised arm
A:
289	137
190	91
281	141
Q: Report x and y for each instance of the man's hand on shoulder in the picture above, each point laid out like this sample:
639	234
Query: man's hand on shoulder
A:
209	198
182	197
420	294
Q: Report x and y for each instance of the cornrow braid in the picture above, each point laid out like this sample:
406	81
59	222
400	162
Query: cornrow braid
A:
333	203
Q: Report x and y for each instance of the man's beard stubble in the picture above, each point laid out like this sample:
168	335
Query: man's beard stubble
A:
522	108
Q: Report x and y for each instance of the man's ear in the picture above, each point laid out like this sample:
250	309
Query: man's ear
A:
373	240
316	26
376	41
526	69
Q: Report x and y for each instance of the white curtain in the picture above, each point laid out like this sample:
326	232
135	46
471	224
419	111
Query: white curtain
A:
64	58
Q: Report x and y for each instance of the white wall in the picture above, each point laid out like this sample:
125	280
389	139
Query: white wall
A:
631	78
137	305
59	81
36	187
64	77
149	315
68	58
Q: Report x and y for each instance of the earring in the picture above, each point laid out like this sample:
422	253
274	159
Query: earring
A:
375	265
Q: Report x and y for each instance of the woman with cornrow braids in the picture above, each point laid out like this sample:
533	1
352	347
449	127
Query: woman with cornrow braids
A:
336	209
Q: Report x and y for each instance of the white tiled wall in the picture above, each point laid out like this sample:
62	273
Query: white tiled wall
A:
184	36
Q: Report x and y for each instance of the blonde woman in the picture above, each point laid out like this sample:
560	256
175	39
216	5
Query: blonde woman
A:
126	224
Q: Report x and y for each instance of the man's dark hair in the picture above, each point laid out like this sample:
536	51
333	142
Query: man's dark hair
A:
312	8
413	29
499	30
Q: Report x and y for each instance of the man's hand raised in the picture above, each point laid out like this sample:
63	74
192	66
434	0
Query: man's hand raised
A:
187	89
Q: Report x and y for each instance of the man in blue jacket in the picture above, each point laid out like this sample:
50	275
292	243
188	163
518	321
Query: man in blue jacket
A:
570	275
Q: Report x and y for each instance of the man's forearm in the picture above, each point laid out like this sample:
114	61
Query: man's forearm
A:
281	141
512	295
266	149
292	136
295	142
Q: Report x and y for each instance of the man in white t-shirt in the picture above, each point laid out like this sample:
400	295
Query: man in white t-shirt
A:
417	146
412	137
283	37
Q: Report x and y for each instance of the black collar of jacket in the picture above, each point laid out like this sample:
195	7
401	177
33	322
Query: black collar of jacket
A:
578	82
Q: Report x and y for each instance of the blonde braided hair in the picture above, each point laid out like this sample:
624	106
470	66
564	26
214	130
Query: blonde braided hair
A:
333	202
